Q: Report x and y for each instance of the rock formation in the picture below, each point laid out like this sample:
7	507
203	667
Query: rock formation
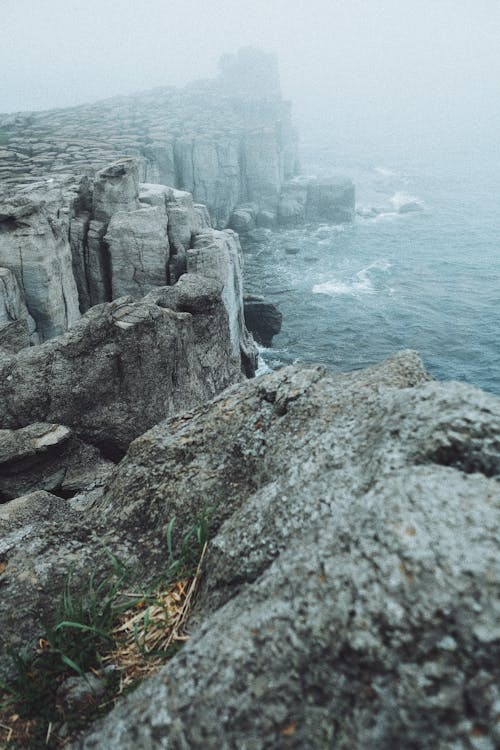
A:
263	319
125	365
350	592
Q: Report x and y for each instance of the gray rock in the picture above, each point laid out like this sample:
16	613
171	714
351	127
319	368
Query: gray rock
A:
13	310
138	247
262	319
241	221
116	188
120	369
266	219
290	212
45	456
34	245
410	207
331	200
14	336
218	255
79	694
34	507
351	587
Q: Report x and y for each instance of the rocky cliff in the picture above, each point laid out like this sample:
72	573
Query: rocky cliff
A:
110	199
226	141
350	593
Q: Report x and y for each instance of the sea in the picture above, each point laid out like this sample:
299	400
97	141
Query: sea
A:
427	279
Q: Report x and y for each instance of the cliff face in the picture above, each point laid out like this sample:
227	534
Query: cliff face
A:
225	141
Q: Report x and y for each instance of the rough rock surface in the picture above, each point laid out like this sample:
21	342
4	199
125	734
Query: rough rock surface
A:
12	305
121	368
34	245
47	457
262	318
14	336
218	255
350	596
138	248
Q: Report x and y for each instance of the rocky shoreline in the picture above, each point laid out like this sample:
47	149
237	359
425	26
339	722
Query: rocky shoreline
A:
347	583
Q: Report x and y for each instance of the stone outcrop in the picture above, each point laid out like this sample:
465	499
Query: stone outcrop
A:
262	318
349	593
351	586
122	367
34	246
327	200
218	255
331	201
123	238
226	141
47	457
12	305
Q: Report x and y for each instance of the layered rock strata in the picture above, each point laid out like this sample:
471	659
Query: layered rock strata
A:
350	592
226	141
117	237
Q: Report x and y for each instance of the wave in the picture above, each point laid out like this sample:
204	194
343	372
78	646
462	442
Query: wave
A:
361	283
405	203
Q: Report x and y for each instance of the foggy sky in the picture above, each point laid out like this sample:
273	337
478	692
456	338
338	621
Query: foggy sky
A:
352	66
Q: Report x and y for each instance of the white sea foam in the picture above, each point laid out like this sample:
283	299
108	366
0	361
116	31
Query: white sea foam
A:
400	199
361	283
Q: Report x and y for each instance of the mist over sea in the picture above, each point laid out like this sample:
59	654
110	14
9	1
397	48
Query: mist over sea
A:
427	280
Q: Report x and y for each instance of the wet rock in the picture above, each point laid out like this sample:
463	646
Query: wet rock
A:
410	207
262	319
266	219
330	200
241	221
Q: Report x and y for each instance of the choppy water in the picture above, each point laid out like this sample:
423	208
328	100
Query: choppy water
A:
428	280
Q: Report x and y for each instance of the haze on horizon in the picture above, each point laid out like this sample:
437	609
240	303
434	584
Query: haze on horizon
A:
362	69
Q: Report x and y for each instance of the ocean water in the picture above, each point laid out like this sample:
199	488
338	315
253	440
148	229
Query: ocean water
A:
427	280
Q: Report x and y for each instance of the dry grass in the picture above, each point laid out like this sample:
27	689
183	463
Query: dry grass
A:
145	634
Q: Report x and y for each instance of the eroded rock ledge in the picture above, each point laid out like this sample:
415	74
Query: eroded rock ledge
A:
350	595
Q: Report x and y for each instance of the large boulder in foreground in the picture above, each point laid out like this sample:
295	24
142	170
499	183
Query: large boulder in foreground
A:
350	596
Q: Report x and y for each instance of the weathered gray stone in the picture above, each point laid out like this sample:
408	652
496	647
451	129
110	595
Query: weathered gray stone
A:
262	319
119	369
45	456
241	221
218	255
116	188
12	304
14	336
35	507
351	589
138	248
34	245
